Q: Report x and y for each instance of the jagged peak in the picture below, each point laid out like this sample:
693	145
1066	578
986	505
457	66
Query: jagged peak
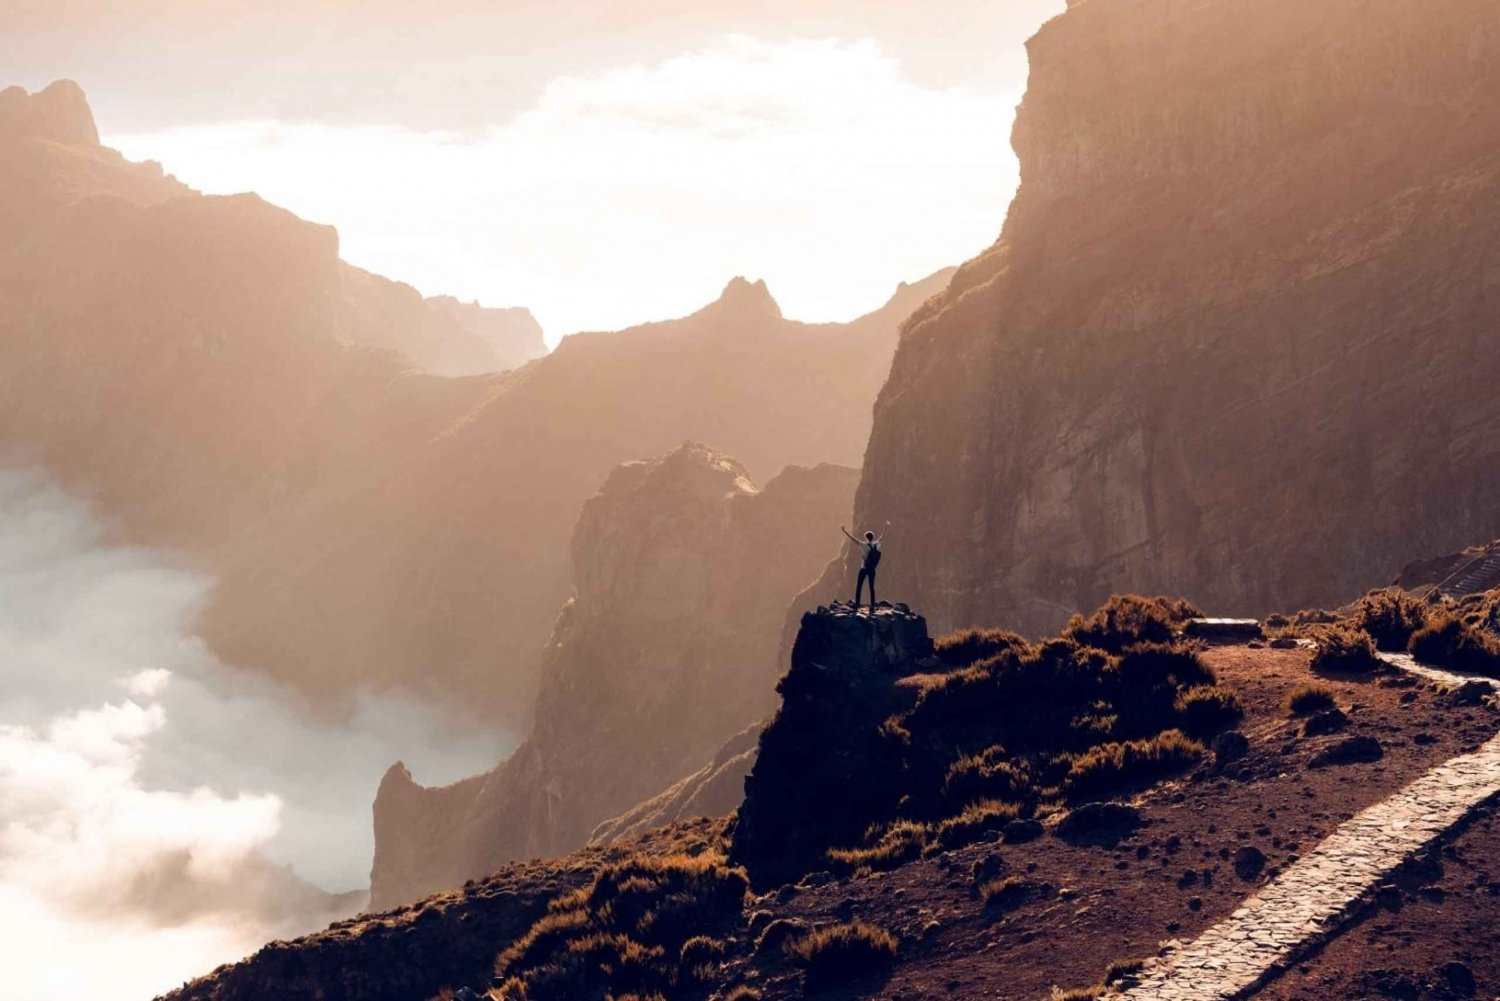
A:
689	458
59	112
744	296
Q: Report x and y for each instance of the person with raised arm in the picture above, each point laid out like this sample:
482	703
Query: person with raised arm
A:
869	550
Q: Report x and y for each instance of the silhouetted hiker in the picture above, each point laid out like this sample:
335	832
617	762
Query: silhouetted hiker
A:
869	549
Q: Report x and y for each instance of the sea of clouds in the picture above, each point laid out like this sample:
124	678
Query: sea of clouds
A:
162	812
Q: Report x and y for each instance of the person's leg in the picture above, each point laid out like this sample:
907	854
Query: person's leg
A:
872	590
859	586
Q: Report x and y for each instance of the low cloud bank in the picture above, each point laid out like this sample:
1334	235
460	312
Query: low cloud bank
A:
161	812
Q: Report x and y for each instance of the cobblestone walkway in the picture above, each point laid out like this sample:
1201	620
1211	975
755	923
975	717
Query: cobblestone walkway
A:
1446	678
1308	902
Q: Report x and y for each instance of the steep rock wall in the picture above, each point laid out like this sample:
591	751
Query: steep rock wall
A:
1240	334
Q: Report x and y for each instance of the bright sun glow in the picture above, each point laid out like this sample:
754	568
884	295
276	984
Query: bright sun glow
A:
635	195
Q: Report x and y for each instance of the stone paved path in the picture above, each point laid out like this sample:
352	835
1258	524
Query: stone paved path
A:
1308	902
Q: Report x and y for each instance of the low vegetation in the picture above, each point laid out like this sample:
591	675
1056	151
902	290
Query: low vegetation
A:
1459	635
1119	976
1010	892
1208	709
968	646
1109	766
1308	699
1390	617
1126	620
1344	650
836	954
1447	640
1117	702
645	926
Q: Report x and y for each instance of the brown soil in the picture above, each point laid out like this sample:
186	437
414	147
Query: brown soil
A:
1093	904
1429	936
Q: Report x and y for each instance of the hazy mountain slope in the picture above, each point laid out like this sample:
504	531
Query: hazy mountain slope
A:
468	541
682	570
1238	338
440	334
213	374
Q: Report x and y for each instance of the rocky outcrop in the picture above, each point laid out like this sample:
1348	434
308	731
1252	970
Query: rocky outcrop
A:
58	113
50	158
817	779
220	382
1236	339
682	570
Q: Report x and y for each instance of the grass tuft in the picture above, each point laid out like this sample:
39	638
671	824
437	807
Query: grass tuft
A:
836	954
1342	650
1309	699
1112	766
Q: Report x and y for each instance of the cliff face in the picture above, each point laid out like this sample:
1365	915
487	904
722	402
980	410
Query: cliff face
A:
811	786
682	573
1237	339
211	372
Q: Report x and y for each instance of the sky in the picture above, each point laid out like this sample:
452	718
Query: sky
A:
602	164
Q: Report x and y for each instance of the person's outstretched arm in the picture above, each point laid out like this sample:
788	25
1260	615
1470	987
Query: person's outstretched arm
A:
884	532
846	534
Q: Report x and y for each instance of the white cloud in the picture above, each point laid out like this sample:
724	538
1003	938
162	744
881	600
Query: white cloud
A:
635	194
152	798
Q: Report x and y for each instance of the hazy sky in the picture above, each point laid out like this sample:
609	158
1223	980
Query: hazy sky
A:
601	163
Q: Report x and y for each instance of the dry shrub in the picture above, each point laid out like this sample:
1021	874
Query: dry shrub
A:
1108	767
836	954
1128	619
977	820
990	775
629	931
898	844
1122	972
1309	699
1118	976
699	957
1207	709
1342	650
969	646
1390	616
1449	641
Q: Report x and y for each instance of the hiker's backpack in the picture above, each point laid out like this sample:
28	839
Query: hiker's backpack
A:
872	556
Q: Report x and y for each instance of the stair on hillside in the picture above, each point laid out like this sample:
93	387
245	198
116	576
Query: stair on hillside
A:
1480	574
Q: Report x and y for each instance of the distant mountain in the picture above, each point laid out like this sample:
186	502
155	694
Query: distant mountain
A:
441	334
218	380
682	571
